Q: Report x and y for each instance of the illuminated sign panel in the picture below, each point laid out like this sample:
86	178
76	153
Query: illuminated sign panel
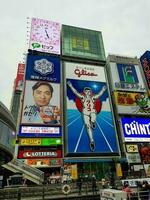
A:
23	154
44	162
88	108
126	77
84	43
40	141
42	131
20	77
132	148
132	103
145	62
45	36
42	68
136	129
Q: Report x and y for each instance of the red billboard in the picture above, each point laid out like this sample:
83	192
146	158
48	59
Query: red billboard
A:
20	77
24	154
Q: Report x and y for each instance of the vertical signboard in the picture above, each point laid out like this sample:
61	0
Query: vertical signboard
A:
45	36
41	113
89	123
145	62
126	77
20	77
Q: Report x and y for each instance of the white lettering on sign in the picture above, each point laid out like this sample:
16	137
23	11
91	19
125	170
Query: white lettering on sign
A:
135	128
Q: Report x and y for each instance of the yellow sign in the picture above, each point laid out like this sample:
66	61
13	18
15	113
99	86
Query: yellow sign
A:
125	98
118	170
131	99
132	148
74	173
30	141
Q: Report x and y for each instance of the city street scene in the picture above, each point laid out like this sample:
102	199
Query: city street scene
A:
77	125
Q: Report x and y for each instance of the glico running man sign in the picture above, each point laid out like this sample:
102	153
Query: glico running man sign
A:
90	128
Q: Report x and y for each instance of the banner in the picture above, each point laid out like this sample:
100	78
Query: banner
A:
89	119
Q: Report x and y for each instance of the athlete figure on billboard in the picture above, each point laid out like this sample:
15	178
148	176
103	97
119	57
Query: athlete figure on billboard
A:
89	110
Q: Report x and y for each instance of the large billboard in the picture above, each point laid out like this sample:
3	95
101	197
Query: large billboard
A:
145	62
20	77
83	43
135	129
41	103
90	128
132	103
41	109
45	36
126	77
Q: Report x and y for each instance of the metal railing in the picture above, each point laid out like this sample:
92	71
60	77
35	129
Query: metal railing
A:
55	191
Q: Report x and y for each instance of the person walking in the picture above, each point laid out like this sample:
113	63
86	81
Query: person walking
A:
94	185
79	184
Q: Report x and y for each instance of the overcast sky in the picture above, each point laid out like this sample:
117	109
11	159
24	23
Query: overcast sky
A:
125	26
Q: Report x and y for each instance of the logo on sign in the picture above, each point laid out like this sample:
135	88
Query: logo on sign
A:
44	67
127	73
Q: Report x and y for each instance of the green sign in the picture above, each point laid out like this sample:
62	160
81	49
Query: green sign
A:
84	43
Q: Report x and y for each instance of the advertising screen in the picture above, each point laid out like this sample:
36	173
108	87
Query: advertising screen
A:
89	120
42	68
126	77
40	141
132	103
40	131
145	62
45	36
136	129
84	43
20	77
41	103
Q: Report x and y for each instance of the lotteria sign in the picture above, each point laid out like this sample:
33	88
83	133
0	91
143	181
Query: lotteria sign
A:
39	154
136	129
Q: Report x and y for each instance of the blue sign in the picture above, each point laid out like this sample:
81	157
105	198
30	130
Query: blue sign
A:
136	129
82	131
42	68
127	73
40	131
